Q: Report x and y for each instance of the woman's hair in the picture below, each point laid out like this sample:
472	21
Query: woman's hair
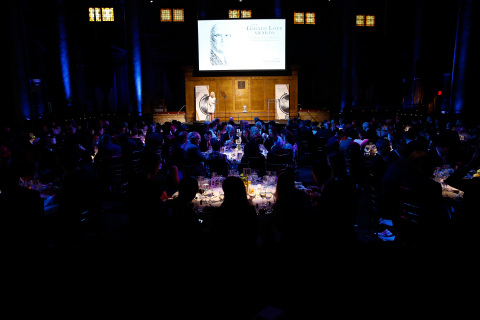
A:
216	145
187	188
274	131
247	132
289	137
234	191
422	162
285	184
336	161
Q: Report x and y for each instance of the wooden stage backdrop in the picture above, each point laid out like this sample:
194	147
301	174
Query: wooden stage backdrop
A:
251	91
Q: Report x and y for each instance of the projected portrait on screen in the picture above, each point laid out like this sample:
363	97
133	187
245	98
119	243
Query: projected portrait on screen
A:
220	39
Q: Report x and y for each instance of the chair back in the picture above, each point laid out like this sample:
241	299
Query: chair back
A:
257	163
112	173
408	218
280	162
220	166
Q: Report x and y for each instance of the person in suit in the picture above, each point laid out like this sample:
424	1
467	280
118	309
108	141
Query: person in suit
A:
229	136
333	143
322	131
441	152
218	161
234	223
433	221
207	141
467	217
107	148
194	157
252	147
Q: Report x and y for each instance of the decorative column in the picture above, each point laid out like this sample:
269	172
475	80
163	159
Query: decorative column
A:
134	56
464	70
19	66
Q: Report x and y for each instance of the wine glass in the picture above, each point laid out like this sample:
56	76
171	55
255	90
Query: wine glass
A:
269	205
209	195
265	179
268	195
263	194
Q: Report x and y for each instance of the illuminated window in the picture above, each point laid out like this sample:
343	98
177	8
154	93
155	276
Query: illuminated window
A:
298	18
365	20
310	18
101	14
178	15
246	13
370	21
107	14
360	20
234	14
91	14
166	15
94	14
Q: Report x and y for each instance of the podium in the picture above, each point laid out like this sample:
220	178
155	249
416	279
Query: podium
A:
274	101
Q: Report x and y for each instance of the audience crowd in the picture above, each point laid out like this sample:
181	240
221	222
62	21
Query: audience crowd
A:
158	160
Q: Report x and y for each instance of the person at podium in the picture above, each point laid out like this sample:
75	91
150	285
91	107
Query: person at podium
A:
211	106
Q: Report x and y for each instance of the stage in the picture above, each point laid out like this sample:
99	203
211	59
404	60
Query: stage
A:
310	114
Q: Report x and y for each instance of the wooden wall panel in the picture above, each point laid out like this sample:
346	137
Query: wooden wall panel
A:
254	95
241	91
257	94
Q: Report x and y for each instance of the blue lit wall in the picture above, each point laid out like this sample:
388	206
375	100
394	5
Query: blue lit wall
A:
461	56
135	57
64	60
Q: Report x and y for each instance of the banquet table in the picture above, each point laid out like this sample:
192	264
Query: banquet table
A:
47	193
234	154
440	175
453	197
209	194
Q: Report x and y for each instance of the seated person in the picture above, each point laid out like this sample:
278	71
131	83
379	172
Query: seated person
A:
229	137
206	142
194	158
218	161
276	149
252	147
245	136
290	145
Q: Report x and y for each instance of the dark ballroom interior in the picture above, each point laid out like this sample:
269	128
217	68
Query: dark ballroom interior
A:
124	188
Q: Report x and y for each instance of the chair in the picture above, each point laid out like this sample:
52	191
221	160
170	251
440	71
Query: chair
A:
194	170
306	148
280	162
408	218
318	149
219	166
133	162
257	163
112	174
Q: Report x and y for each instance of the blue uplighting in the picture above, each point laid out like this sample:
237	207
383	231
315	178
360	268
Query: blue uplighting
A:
64	61
278	10
460	56
137	71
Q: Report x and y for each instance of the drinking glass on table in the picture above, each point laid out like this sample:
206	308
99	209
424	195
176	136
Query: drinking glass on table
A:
263	194
265	179
209	195
268	195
